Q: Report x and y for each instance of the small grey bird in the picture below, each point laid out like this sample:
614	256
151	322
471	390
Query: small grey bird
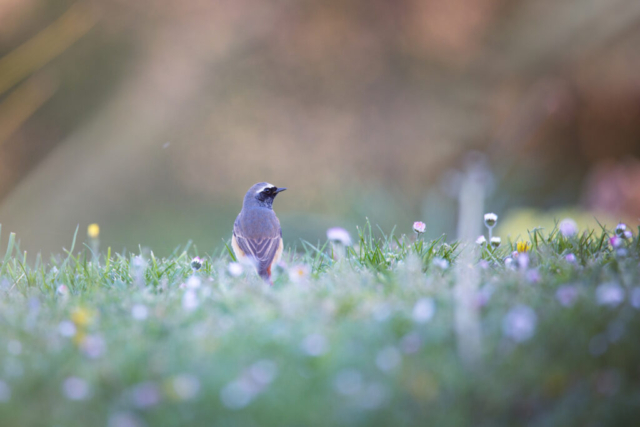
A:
256	233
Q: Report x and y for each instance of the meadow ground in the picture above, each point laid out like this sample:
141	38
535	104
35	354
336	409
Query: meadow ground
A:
368	334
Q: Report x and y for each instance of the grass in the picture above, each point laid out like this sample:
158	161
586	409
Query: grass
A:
370	339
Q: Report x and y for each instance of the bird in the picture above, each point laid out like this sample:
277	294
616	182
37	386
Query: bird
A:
257	235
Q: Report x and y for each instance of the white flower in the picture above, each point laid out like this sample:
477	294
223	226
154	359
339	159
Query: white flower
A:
348	382
496	241
5	391
235	269
237	394
315	345
14	347
75	388
373	396
193	282
635	297
424	310
67	328
263	372
139	312
419	227
440	263
196	263
299	273
339	235
185	386
190	300
13	367
620	229
138	263
508	262
568	227
388	359
411	343
124	419
490	220
519	324
481	240
610	294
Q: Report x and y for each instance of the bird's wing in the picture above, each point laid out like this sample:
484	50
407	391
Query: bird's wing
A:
262	251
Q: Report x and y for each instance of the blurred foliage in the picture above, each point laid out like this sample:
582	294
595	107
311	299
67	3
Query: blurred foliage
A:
519	222
133	339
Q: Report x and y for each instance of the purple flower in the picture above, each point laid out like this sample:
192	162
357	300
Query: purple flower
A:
533	276
611	294
620	229
635	297
146	395
75	388
567	294
93	346
615	241
568	227
519	324
523	261
570	258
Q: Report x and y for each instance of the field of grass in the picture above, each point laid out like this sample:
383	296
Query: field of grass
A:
362	335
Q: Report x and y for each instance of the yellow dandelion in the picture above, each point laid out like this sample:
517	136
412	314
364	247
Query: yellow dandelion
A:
93	231
81	317
523	246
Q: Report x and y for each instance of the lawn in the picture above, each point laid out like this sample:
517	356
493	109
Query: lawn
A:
361	334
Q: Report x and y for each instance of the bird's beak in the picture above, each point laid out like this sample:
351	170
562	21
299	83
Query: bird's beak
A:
280	190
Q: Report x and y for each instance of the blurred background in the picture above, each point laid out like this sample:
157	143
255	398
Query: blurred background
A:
152	118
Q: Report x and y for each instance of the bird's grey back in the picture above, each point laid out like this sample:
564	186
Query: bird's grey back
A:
258	222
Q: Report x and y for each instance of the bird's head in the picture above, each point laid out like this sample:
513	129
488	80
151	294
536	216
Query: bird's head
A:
262	195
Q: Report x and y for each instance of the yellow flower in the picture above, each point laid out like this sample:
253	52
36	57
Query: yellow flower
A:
523	246
93	231
81	317
79	338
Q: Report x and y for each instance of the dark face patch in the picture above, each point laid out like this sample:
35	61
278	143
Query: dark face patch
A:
267	195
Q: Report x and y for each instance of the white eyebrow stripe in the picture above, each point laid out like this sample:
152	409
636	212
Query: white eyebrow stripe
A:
266	186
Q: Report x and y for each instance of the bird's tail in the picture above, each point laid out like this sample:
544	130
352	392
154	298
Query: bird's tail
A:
266	275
